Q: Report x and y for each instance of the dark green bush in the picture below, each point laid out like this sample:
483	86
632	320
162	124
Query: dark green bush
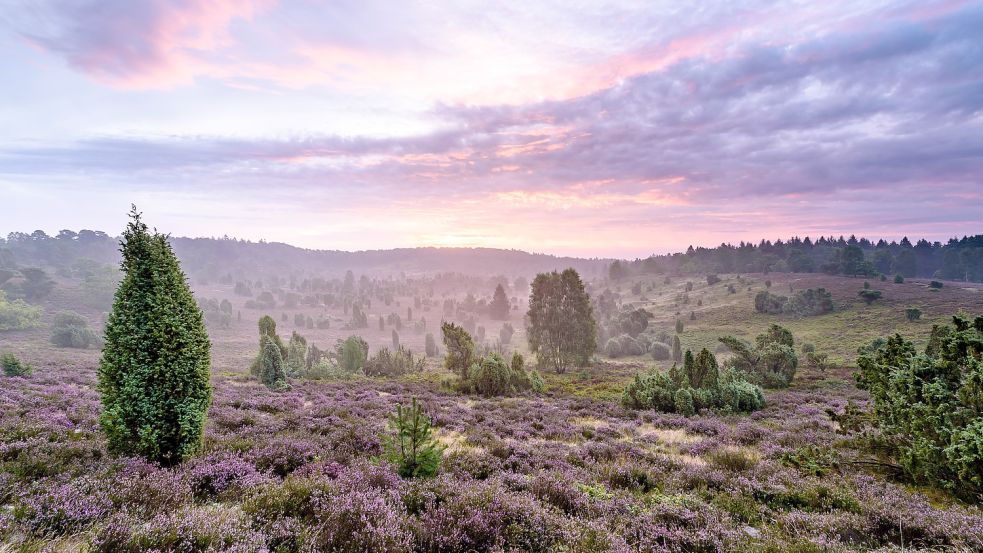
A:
12	366
930	405
698	385
898	279
913	314
155	367
71	330
869	296
771	362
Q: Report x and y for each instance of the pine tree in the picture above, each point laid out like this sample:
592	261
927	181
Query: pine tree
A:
499	306
155	366
677	350
413	448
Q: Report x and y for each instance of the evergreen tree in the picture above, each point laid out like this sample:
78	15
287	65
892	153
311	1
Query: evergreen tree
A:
154	371
460	349
413	447
499	306
677	349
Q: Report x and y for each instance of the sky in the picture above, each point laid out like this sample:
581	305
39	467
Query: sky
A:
577	128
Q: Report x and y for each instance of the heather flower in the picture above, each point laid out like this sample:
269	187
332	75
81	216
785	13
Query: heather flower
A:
53	508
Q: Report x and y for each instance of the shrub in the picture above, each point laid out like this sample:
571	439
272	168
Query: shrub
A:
817	360
491	377
613	348
430	347
272	372
766	302
396	362
898	279
697	386
412	446
928	405
18	314
155	366
869	296
460	349
679	326
913	314
71	330
712	279
660	351
351	354
771	361
810	302
12	366
935	284
808	347
296	362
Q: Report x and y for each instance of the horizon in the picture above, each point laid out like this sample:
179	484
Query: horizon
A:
677	250
612	130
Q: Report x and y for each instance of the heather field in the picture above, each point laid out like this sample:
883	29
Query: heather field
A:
570	469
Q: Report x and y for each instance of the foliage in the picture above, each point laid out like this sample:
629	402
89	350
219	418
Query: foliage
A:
935	284
930	405
634	321
660	351
412	447
352	353
898	279
396	362
18	314
712	279
499	306
71	330
33	285
561	327
699	385
869	296
493	376
460	349
505	334
296	362
913	313
804	303
771	362
430	346
766	302
679	326
154	372
12	366
272	371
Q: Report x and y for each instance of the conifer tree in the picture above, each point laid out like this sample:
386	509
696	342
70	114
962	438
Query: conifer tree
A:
154	371
499	306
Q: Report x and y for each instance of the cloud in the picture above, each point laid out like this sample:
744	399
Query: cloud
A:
726	127
146	43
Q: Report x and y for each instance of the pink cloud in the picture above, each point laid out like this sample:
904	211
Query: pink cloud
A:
154	44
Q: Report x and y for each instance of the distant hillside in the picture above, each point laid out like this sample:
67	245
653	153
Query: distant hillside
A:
217	257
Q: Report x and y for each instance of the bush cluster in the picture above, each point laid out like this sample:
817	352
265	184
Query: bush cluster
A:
698	385
771	361
804	303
